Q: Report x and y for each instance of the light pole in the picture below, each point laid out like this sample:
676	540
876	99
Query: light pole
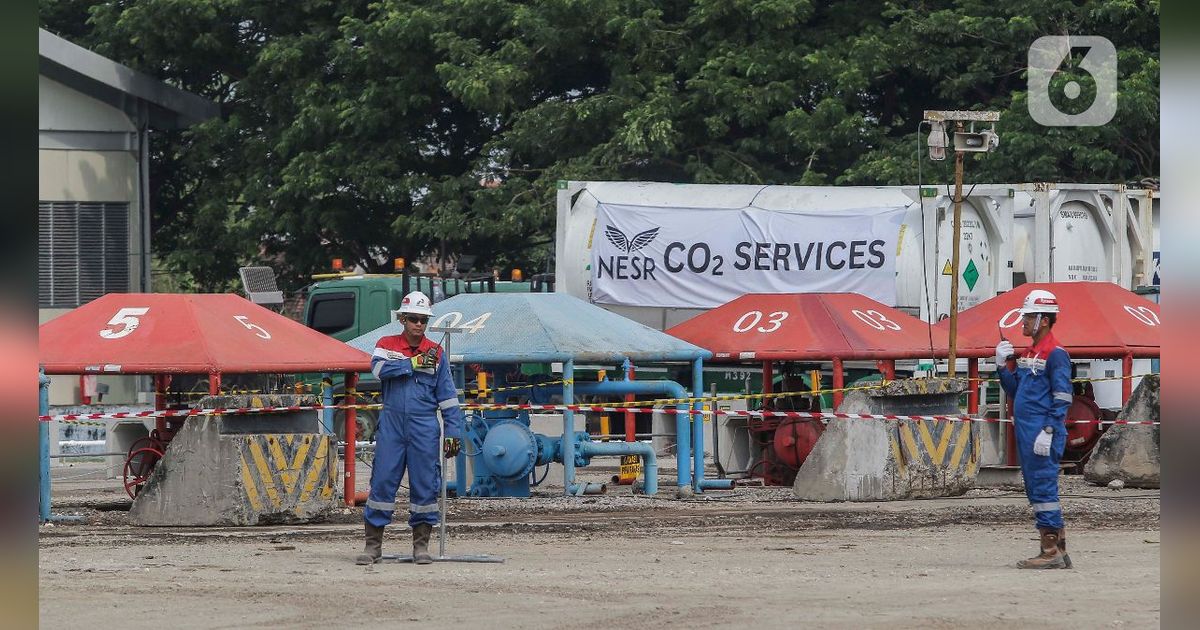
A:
964	142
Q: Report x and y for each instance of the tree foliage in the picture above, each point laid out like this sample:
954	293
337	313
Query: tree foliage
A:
362	129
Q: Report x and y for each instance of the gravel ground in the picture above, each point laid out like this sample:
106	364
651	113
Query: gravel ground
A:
750	556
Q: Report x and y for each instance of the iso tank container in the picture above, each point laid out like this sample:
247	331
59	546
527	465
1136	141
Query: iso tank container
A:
1084	233
923	275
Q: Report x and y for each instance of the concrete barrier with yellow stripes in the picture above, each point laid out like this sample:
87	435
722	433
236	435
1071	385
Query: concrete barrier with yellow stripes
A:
882	460
242	470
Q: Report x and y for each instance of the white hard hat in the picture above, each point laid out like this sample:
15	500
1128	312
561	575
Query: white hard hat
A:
1039	301
415	303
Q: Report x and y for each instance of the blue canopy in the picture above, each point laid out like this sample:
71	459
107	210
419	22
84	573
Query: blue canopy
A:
539	328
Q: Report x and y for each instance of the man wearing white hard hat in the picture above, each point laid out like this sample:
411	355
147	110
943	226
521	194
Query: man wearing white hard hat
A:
416	384
1039	381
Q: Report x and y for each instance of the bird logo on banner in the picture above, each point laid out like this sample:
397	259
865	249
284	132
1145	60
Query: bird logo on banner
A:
626	244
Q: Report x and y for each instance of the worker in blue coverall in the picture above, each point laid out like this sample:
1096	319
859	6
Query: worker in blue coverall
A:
416	383
1040	383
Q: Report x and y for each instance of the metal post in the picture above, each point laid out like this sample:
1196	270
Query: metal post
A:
716	433
630	417
1127	377
327	402
351	435
43	447
441	460
973	385
839	382
460	460
214	384
698	426
958	177
568	436
160	401
768	379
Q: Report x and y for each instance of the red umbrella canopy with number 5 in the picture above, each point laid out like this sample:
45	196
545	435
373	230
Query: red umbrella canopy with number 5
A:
813	327
158	333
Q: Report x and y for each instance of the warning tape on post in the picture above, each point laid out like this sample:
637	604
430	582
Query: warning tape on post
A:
820	415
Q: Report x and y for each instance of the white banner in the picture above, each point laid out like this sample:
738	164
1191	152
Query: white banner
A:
703	258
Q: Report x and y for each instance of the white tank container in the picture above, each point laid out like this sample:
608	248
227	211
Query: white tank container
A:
986	235
1081	232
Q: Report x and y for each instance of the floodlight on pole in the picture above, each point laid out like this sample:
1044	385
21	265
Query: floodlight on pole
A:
937	140
965	141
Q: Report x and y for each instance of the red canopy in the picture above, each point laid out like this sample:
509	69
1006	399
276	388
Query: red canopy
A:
157	333
1097	320
814	327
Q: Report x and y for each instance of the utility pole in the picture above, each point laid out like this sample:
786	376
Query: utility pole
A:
964	141
954	249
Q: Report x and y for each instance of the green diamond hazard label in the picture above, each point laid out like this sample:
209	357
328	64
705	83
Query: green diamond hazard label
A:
971	275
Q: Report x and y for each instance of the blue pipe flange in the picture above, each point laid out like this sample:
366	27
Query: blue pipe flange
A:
581	460
484	487
509	450
548	449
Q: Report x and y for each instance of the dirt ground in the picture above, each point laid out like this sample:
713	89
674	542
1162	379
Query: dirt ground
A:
741	558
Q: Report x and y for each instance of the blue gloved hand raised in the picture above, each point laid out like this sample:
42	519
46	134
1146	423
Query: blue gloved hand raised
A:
1041	445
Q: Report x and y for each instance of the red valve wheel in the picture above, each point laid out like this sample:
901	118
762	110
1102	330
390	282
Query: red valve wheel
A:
138	467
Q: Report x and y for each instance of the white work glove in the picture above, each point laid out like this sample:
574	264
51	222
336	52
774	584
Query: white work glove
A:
1004	349
1041	445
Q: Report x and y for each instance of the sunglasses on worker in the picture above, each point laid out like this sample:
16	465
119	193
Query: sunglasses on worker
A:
414	319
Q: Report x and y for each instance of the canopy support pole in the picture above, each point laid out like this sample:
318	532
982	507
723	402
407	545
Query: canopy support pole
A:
839	382
351	436
1126	377
972	386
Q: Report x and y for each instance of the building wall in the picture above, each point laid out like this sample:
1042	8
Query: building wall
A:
86	175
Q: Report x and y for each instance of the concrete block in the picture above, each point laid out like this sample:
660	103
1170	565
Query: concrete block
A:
1128	452
228	471
883	460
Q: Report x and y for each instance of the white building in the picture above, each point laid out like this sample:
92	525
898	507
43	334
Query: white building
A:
95	119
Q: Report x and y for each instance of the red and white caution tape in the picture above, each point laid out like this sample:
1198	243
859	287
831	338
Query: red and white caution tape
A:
181	413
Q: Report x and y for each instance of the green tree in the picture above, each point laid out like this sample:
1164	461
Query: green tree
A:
362	129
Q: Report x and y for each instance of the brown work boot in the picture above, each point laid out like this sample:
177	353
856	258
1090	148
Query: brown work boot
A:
374	547
1062	547
1050	558
421	532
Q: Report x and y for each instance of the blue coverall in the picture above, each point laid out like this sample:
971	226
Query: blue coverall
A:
408	432
1041	390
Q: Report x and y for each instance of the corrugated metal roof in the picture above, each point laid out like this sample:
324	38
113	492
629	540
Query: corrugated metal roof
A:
102	77
541	327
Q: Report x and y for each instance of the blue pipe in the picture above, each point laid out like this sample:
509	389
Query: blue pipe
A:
44	514
460	460
43	447
616	449
683	451
697	426
700	483
327	400
568	436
